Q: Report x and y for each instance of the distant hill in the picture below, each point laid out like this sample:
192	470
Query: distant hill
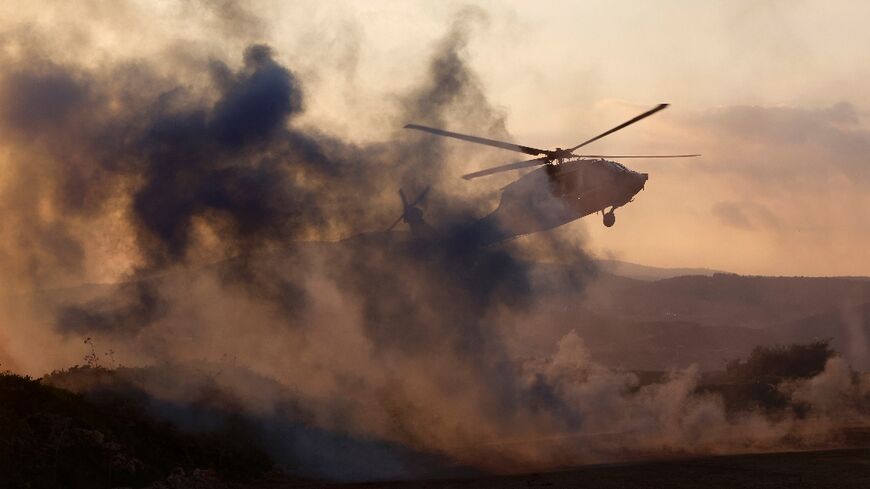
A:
629	320
729	300
644	272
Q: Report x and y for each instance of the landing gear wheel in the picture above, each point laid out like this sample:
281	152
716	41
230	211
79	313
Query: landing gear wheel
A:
609	219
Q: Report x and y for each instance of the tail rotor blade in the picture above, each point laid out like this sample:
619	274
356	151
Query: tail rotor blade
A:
421	196
395	223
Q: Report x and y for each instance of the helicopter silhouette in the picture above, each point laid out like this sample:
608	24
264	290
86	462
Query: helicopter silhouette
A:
565	186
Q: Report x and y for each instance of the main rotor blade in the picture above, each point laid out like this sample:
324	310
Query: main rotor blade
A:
637	156
397	221
479	140
508	167
624	124
421	196
404	200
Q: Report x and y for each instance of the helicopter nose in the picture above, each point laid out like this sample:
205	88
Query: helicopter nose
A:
640	180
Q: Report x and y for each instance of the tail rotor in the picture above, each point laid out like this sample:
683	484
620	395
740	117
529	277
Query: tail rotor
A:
411	214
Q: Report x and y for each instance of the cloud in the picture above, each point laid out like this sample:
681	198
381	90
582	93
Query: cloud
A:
745	215
786	144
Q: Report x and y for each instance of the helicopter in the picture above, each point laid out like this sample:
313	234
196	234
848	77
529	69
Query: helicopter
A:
565	186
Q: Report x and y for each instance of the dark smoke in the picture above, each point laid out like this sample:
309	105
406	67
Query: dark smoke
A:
215	187
131	308
231	161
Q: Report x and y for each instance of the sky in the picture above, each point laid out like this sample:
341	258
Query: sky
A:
771	93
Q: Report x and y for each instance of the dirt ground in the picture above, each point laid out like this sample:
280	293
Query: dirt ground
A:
845	468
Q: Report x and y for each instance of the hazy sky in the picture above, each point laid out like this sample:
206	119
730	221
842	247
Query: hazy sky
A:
772	93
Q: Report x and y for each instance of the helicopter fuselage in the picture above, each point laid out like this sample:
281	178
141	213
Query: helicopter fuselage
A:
560	193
